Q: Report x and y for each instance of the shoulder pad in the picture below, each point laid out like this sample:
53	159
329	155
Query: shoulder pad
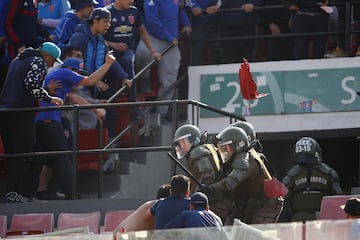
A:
254	154
334	174
296	169
198	152
323	167
328	170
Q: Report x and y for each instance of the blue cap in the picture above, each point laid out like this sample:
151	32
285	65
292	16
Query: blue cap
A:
73	63
199	200
51	49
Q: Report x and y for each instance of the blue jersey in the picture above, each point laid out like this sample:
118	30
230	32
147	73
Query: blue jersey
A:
51	10
66	29
124	24
68	78
195	218
104	3
162	18
168	208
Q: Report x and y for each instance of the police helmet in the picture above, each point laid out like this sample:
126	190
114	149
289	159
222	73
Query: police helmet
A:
232	140
186	137
307	151
247	127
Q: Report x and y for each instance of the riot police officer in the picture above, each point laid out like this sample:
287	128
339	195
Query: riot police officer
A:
308	181
245	175
202	161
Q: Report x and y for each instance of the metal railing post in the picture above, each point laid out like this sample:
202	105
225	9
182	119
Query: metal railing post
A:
75	182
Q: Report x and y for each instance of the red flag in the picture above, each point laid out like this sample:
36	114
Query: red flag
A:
274	188
247	84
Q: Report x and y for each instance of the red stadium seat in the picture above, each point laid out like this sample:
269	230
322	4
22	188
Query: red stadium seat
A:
31	223
114	217
330	206
3	226
89	139
73	220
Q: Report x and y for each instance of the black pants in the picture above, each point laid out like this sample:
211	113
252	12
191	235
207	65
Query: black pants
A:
235	50
18	136
50	137
304	23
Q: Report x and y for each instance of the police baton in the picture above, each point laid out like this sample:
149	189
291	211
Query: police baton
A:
165	50
185	169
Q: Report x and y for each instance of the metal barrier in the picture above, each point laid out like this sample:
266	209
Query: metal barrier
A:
193	107
347	32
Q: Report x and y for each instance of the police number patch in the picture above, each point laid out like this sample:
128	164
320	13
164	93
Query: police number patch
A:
304	145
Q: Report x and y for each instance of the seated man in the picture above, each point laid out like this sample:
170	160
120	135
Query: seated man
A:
166	209
199	215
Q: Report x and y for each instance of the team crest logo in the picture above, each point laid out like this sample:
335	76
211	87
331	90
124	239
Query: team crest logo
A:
131	19
81	65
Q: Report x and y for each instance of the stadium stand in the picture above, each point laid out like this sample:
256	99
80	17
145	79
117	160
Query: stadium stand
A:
73	220
114	217
31	223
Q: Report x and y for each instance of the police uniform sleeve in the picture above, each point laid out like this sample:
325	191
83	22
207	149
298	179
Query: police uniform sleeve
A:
237	175
290	175
336	188
200	160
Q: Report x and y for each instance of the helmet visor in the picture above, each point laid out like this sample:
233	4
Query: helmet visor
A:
182	146
226	150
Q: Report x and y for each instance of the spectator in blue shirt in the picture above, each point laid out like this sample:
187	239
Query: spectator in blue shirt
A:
166	209
67	25
162	20
122	37
89	38
198	215
50	13
50	133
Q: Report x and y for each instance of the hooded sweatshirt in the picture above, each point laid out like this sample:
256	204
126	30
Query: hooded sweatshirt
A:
66	29
94	51
23	84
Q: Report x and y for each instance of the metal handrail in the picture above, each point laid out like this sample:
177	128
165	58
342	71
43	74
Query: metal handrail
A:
346	32
195	107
